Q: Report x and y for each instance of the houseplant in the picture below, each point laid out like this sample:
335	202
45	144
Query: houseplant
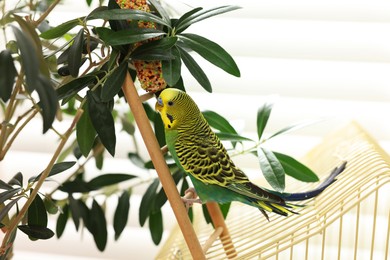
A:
76	70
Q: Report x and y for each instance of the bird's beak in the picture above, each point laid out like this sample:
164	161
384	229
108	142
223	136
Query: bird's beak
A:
158	107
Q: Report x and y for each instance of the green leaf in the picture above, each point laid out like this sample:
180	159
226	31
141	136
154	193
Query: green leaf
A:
232	137
156	226
212	52
36	232
185	16
77	185
85	132
62	220
56	169
201	15
162	12
114	82
102	121
147	202
218	122
108	179
50	206
6	195
136	159
4	211
296	169
61	29
293	128
128	14
171	69
29	58
98	222
47	101
127	36
17	179
195	70
37	215
5	186
271	168
7	74
75	53
75	211
71	88
121	214
262	118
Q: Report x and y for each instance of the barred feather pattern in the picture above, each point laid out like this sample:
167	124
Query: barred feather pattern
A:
202	155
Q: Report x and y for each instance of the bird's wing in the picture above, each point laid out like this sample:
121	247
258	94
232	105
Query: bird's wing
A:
205	158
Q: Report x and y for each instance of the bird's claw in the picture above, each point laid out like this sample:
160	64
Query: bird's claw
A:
190	198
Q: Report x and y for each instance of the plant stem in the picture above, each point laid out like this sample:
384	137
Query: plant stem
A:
39	183
46	13
10	142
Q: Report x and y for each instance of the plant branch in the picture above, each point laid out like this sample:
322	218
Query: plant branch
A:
46	13
39	183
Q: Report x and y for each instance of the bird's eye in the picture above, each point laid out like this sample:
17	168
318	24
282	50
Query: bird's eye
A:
159	101
170	103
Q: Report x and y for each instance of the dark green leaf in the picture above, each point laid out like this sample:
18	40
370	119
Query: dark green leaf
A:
161	197
206	214
17	179
136	159
29	57
84	214
7	74
75	53
75	211
6	195
102	121
165	43
114	82
37	215
76	185
127	36
47	101
36	232
121	214
108	179
71	88
201	15
56	169
262	118
147	202
171	69
159	131
195	70
4	211
4	185
296	169
62	220
212	52
61	29
156	226
162	12
98	222
154	54
128	14
271	168
182	18
85	132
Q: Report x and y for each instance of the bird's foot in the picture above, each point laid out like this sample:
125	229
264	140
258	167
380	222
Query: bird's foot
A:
190	198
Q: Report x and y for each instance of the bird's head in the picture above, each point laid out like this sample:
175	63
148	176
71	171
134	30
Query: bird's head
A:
176	108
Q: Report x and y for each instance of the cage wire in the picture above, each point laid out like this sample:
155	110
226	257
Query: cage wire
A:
349	220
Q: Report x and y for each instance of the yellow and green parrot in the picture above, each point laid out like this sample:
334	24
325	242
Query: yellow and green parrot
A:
200	153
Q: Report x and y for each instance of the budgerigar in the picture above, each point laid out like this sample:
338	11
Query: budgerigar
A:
200	153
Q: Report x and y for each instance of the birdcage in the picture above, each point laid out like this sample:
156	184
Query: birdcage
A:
349	220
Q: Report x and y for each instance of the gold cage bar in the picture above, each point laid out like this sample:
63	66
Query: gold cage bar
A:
349	220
